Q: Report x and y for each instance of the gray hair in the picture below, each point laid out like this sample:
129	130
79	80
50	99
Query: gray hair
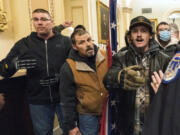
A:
174	27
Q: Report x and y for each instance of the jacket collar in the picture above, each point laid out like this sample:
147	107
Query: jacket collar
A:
82	66
34	35
171	43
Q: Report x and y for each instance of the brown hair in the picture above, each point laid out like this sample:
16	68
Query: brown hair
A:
40	10
161	23
77	32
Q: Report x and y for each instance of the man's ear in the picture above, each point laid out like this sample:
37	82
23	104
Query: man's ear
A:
74	47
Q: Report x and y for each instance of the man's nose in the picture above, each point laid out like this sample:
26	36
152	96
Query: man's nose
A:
39	21
88	43
139	33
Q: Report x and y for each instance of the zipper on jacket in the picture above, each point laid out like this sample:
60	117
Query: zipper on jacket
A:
47	70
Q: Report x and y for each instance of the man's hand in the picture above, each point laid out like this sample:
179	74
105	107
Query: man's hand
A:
26	63
48	81
131	77
75	131
17	64
2	101
156	80
67	24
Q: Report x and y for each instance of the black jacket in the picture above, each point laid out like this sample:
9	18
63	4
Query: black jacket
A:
170	50
164	114
50	55
125	100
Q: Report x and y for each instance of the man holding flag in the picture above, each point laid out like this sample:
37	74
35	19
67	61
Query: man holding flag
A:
128	79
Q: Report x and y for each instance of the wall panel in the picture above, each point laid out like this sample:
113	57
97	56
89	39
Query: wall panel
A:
77	15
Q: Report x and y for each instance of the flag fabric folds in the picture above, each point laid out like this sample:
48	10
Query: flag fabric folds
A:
108	125
112	41
113	25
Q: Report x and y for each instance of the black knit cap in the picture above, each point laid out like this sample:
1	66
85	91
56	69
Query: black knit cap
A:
140	20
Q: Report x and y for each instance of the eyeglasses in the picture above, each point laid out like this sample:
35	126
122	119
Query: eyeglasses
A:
41	19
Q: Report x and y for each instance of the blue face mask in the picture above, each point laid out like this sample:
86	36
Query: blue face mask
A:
165	35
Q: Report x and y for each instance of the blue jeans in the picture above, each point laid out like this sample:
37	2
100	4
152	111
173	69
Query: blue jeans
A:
88	124
43	118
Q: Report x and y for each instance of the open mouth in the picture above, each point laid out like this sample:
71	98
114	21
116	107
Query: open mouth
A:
139	40
89	49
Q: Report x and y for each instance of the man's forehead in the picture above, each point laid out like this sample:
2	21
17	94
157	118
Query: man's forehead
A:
140	27
164	26
40	15
82	37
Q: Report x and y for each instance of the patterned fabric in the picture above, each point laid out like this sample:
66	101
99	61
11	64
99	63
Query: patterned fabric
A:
142	100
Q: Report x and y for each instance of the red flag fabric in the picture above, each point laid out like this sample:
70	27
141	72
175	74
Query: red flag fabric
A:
109	53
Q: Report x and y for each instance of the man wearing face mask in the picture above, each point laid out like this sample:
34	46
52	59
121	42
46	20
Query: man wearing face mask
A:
163	37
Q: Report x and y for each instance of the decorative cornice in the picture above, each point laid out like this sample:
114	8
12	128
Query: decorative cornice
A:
3	21
51	8
30	14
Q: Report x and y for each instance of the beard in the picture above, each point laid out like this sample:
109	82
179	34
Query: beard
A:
43	34
91	53
141	49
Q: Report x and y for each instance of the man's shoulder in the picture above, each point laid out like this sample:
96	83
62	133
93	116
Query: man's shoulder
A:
65	66
22	42
63	37
162	53
121	56
174	45
102	51
64	40
122	52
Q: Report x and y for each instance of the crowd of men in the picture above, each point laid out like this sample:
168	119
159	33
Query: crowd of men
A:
70	77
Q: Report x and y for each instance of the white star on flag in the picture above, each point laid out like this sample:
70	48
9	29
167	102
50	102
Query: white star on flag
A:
113	25
113	102
113	126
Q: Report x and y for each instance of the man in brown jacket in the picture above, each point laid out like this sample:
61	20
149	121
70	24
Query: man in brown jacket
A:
82	92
